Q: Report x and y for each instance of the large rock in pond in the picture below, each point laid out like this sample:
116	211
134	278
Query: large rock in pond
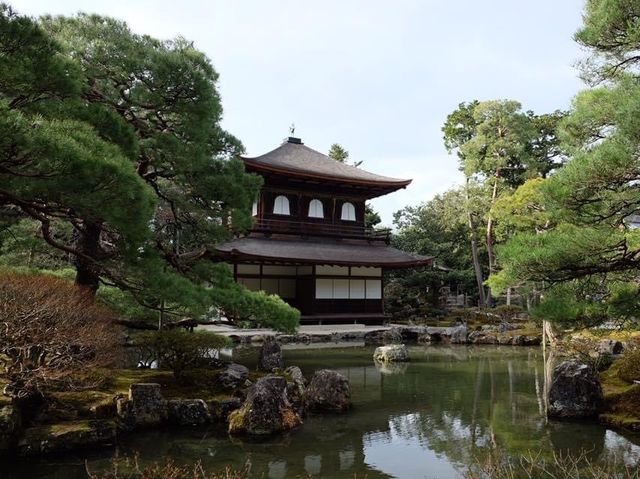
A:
392	353
270	356
328	391
267	409
575	391
188	412
144	407
234	376
9	426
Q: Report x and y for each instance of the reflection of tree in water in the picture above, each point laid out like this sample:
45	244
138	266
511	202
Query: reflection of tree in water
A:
463	405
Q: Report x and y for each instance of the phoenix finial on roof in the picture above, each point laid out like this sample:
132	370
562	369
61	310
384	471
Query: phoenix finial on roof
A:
292	129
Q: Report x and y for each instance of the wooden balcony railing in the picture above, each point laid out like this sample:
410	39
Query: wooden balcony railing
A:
271	226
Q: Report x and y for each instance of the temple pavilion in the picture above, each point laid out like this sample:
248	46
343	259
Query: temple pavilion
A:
309	243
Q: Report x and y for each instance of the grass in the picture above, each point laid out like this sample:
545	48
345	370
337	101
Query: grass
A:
560	466
130	469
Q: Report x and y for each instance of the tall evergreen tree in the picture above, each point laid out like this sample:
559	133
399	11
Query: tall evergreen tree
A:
589	257
118	136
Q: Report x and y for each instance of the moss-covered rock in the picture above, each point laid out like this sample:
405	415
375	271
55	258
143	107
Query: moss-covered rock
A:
67	436
145	406
188	412
267	409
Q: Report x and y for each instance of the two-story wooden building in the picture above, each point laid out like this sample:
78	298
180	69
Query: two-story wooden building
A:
309	243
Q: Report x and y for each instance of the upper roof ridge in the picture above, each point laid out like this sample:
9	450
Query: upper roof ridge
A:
293	155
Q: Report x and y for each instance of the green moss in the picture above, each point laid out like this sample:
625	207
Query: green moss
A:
236	421
198	383
598	335
620	420
622	399
56	430
86	402
528	329
120	379
67	427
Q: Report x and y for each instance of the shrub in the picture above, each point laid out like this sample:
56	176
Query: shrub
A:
629	369
584	351
177	349
50	331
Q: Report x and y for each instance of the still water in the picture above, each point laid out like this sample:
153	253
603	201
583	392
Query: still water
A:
426	419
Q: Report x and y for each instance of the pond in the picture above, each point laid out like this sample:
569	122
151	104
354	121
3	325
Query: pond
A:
426	419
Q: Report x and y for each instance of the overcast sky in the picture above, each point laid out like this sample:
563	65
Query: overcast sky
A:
378	77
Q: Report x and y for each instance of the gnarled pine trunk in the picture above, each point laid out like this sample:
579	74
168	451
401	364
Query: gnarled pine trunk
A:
88	247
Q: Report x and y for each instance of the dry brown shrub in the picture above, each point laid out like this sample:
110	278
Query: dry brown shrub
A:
629	366
128	468
53	334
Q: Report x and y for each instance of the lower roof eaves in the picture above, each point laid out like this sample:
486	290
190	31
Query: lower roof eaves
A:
317	251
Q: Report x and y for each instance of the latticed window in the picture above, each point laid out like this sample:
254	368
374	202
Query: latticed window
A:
281	205
348	212
315	209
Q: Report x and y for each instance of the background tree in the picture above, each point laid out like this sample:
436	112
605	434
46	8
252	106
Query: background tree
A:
338	153
437	227
499	145
459	129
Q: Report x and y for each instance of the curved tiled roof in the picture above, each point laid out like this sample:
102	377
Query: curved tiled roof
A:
338	252
295	157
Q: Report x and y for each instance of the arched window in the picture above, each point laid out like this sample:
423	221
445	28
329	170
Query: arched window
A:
315	209
348	212
281	206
